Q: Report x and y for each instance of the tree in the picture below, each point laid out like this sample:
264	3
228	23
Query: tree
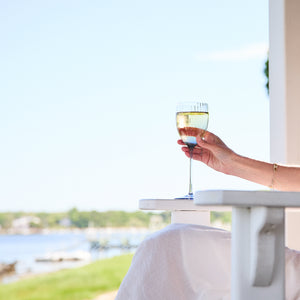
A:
266	71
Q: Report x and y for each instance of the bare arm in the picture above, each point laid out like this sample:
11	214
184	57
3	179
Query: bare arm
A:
213	152
284	178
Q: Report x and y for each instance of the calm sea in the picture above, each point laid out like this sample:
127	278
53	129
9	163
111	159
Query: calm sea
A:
26	248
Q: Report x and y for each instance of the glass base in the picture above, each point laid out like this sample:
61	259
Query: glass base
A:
188	196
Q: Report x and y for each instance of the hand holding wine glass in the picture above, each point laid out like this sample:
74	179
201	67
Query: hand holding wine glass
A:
212	151
192	121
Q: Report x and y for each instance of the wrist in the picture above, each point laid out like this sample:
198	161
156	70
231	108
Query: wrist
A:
231	163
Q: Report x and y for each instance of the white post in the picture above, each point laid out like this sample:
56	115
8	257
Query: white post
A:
284	55
191	217
257	253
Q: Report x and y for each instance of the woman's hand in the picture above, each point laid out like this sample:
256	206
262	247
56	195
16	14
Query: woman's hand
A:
212	151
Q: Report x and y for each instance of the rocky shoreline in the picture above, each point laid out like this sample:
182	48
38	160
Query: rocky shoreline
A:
6	269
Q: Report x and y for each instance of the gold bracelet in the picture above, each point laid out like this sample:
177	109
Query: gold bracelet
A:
275	167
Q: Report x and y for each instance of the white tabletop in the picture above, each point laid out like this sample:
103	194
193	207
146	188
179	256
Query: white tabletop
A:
247	198
175	205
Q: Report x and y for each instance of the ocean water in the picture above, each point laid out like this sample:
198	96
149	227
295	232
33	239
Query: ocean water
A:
24	249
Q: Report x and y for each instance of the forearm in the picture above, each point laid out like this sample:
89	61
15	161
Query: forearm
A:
284	178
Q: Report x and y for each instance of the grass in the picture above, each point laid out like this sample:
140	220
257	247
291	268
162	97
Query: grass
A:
73	284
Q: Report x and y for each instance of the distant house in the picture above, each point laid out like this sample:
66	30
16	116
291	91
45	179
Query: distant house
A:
65	222
24	224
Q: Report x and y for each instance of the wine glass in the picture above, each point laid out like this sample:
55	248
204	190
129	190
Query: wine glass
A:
192	121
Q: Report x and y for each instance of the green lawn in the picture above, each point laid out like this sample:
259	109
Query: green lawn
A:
73	284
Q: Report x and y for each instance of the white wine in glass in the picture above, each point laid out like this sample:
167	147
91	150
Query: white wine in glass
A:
192	121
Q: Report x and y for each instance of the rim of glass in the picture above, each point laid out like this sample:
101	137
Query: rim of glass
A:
191	106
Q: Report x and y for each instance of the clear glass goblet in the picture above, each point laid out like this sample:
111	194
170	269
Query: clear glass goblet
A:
192	121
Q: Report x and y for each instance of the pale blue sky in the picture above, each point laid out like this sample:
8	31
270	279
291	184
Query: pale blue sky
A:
88	91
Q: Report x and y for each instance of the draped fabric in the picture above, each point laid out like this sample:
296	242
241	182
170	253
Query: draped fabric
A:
190	262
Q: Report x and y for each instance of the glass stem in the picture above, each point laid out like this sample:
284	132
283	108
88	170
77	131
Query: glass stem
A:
190	173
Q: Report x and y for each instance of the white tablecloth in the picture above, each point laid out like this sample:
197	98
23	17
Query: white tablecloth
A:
190	262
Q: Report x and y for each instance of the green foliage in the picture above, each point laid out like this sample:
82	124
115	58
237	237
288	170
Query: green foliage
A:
6	219
139	219
223	217
74	284
266	72
79	219
166	217
83	219
35	225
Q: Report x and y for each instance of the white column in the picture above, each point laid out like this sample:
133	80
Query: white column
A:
199	217
257	253
285	91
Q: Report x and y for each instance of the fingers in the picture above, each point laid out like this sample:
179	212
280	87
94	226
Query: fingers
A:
199	154
187	152
196	151
206	141
185	149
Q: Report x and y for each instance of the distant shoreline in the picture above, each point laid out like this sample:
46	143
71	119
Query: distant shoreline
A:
54	249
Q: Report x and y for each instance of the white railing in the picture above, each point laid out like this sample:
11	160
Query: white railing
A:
258	244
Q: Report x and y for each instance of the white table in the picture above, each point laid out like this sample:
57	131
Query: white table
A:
258	251
182	210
